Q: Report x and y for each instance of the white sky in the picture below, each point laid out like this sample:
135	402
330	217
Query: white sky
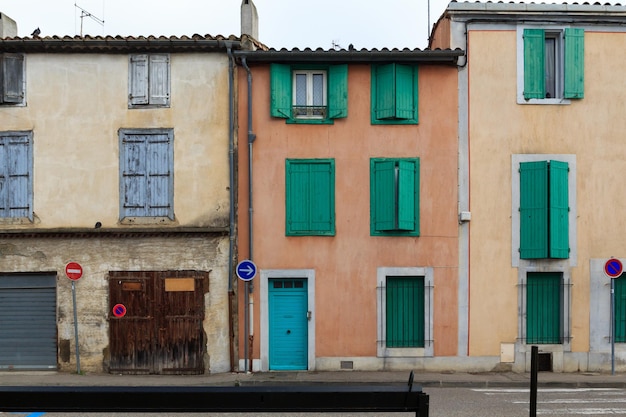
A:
282	23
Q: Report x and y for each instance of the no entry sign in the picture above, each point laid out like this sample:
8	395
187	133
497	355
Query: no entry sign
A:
74	271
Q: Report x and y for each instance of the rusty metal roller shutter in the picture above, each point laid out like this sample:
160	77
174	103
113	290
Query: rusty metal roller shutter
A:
28	334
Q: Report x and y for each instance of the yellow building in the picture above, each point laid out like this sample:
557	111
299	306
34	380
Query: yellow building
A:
541	104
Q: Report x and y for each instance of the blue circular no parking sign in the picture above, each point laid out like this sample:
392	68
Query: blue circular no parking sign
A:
613	268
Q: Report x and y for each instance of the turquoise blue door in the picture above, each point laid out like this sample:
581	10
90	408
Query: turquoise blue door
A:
288	324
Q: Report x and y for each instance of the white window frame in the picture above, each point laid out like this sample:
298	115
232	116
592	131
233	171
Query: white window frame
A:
382	351
309	94
557	33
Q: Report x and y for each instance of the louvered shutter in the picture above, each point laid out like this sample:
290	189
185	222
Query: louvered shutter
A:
134	178
408	195
4	179
280	91
138	79
534	210
12	78
19	178
322	197
574	73
383	195
405	90
385	105
159	79
159	177
337	91
559	210
534	63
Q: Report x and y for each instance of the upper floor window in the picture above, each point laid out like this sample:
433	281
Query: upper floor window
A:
16	175
308	94
394	94
552	65
310	197
149	80
394	197
12	79
147	173
544	210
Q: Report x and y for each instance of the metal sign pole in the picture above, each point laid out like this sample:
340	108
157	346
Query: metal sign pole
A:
612	327
76	328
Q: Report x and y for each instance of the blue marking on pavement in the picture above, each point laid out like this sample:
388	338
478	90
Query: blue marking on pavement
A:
35	414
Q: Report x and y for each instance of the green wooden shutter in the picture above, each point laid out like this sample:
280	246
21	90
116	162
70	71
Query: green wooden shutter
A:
543	308
406	92
385	99
12	78
620	309
559	210
139	79
310	197
408	195
534	210
382	195
404	312
322	197
574	76
534	63
337	91
280	91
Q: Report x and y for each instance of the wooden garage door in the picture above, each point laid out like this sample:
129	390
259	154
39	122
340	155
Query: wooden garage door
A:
161	331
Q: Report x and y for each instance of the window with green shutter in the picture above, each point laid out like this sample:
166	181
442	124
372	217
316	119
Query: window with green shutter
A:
543	307
553	63
620	308
310	197
16	176
394	197
394	94
544	210
404	312
305	94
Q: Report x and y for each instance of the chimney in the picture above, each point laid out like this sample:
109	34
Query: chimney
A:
8	27
249	19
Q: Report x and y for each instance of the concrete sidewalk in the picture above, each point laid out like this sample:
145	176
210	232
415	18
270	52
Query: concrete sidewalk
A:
423	379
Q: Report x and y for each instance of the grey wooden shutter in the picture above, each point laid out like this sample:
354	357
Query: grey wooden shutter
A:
15	176
160	180
159	79
133	178
138	79
12	78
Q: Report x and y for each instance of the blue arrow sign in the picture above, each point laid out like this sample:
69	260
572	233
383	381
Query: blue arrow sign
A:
246	270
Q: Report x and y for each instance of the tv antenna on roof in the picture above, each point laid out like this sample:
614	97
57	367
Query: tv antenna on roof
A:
84	13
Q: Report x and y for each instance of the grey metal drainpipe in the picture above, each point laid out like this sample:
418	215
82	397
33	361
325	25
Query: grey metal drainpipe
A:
231	166
248	322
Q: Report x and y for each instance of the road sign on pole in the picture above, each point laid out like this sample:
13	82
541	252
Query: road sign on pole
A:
246	270
73	271
613	268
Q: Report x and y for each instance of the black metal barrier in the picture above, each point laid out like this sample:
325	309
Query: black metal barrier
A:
299	398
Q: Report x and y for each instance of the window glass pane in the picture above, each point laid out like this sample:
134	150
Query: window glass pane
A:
300	89
318	90
550	67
